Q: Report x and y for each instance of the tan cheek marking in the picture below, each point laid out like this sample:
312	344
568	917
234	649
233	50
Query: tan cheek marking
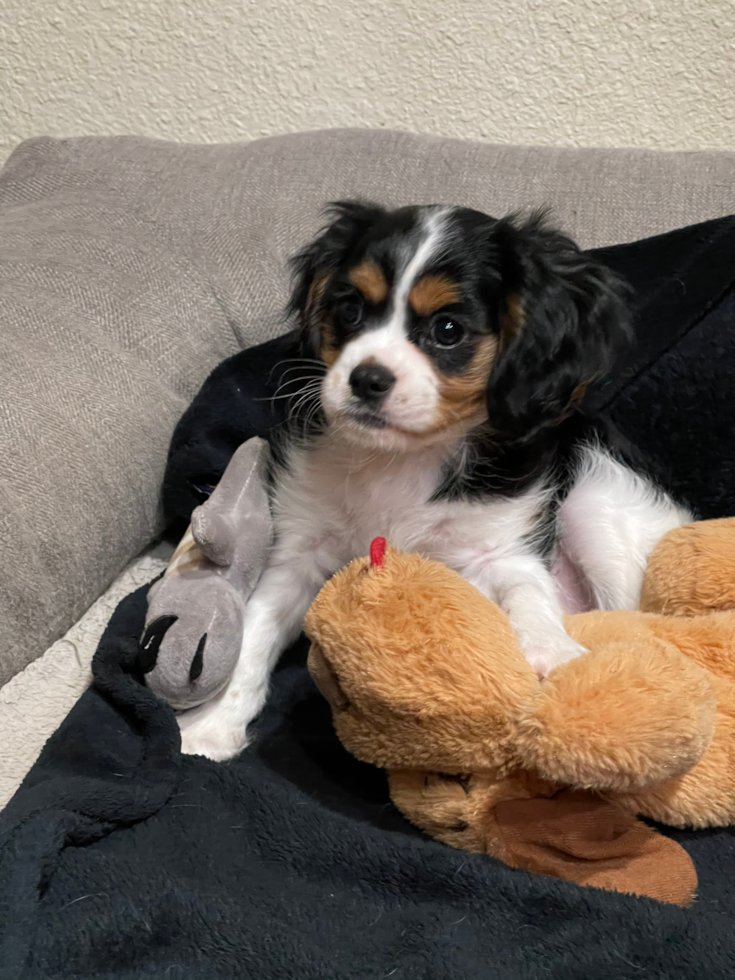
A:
370	280
431	293
513	320
316	290
327	348
328	351
462	396
579	392
576	397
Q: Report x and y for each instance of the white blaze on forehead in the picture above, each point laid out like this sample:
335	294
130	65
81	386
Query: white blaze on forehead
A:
434	227
412	403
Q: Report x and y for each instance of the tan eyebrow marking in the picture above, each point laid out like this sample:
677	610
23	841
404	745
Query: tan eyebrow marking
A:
369	279
430	293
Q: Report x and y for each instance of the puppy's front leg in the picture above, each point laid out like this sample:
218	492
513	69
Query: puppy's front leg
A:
524	589
273	619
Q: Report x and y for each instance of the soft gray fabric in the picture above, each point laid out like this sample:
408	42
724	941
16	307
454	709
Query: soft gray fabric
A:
130	267
194	623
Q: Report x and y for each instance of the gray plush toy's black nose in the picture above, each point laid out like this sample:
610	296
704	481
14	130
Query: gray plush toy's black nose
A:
150	642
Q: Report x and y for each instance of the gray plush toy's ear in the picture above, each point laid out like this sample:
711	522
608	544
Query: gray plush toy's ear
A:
193	631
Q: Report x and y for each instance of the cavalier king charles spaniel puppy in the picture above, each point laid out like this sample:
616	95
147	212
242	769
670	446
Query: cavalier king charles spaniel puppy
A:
445	354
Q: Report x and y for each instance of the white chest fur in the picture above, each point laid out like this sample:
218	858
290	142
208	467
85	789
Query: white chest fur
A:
334	499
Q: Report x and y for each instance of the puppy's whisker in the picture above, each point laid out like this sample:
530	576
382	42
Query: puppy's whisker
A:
309	417
295	411
310	388
299	379
306	371
276	398
309	385
296	361
300	360
307	404
292	394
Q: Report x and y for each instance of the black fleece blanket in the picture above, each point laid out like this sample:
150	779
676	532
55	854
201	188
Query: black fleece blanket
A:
119	858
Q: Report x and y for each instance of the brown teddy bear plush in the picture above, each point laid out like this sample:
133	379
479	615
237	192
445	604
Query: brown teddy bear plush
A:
426	679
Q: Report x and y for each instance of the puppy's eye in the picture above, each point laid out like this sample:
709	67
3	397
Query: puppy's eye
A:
349	311
446	332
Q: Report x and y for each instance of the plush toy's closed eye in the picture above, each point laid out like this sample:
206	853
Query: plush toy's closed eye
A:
326	679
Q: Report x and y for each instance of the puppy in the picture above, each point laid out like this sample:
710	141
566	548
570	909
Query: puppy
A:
446	354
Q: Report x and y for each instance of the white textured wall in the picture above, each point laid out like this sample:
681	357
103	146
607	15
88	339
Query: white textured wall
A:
656	73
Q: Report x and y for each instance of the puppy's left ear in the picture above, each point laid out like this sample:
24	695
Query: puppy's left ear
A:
563	319
313	266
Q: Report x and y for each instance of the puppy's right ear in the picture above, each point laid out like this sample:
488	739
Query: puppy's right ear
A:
315	264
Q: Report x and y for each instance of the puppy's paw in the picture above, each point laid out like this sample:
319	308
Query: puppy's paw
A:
217	730
545	657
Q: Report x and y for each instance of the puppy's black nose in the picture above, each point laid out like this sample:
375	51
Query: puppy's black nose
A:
371	382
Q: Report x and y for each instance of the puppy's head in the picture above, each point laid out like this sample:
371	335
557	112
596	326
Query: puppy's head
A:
433	321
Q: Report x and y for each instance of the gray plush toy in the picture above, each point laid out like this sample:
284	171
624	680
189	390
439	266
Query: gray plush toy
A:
194	624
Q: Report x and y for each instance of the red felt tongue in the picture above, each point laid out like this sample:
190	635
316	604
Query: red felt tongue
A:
377	552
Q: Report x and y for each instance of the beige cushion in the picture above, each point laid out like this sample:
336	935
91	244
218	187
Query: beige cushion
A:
130	267
35	702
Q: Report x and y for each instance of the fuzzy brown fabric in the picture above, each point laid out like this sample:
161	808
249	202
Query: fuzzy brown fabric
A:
426	679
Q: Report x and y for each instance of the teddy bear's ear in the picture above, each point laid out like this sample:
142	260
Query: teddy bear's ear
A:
577	836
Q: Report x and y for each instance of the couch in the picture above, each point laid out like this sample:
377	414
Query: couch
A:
130	267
